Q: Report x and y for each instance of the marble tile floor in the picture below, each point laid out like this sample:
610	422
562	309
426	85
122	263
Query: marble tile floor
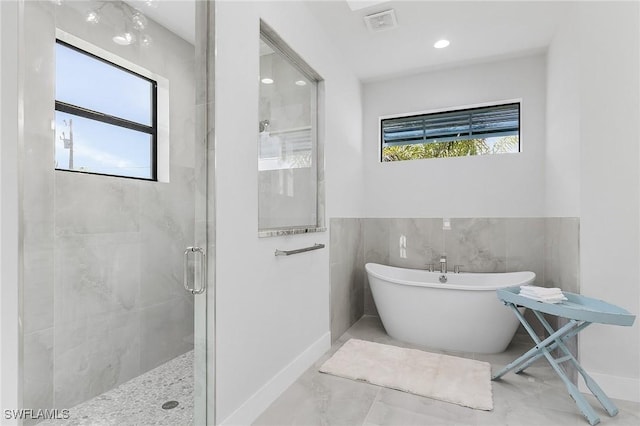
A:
139	401
536	397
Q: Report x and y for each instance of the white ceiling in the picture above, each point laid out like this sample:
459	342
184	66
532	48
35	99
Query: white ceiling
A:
361	4
478	30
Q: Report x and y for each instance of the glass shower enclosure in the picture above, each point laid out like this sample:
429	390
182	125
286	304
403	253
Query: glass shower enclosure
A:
117	206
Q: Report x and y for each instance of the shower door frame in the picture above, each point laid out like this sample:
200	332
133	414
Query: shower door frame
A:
205	232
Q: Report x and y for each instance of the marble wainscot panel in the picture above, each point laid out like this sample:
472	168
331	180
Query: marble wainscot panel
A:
376	250
547	246
347	274
525	246
525	243
562	253
562	267
478	245
415	243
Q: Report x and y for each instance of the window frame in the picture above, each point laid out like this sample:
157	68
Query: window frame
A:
274	41
480	106
90	114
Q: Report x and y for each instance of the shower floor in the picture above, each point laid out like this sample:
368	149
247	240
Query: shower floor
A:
139	401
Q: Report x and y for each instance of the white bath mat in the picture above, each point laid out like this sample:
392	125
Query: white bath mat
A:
447	378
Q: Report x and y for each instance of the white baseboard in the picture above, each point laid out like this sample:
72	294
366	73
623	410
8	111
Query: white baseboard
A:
615	387
248	412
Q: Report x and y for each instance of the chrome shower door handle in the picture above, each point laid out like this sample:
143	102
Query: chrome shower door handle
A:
199	274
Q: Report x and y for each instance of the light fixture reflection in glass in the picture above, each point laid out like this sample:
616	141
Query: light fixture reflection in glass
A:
267	80
124	39
441	44
133	25
146	40
139	21
301	83
93	17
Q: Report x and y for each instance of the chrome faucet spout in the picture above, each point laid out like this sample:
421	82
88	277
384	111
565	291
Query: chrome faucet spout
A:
443	264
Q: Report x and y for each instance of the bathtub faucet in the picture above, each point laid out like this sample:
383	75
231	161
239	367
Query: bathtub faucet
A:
443	264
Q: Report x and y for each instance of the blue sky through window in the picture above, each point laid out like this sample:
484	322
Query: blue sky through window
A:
89	83
102	148
96	85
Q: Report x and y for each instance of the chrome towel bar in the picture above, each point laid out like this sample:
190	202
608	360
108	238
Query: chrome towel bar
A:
296	251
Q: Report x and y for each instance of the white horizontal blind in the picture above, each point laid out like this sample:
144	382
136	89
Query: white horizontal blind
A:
473	123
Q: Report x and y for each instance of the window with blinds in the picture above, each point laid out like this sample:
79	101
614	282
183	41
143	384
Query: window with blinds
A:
491	129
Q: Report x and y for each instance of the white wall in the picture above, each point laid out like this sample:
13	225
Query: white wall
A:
562	159
580	158
9	304
592	171
609	190
490	186
272	313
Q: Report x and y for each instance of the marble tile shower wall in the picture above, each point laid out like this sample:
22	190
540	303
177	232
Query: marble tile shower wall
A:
546	246
103	299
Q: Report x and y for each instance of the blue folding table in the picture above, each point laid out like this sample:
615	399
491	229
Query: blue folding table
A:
581	312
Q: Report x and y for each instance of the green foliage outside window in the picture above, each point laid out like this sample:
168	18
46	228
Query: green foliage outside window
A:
462	148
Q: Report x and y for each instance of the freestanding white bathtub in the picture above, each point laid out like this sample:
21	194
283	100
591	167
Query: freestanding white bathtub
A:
463	314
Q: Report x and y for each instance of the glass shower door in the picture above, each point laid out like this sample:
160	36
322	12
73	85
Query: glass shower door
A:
116	188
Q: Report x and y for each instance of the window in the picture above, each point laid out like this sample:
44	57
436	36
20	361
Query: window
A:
288	98
474	131
289	150
106	117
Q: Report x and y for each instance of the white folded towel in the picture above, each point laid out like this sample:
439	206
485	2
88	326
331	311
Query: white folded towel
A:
540	290
542	294
546	299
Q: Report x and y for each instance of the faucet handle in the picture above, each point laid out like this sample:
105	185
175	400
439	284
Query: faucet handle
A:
429	267
456	268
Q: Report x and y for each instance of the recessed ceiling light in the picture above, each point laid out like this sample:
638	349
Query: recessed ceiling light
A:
301	83
267	80
441	44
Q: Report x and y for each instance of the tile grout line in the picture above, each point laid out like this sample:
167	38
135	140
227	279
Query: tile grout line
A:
375	399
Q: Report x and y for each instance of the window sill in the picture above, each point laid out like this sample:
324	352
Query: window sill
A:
289	231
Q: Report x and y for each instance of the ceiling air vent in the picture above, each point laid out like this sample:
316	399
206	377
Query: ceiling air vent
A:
381	21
